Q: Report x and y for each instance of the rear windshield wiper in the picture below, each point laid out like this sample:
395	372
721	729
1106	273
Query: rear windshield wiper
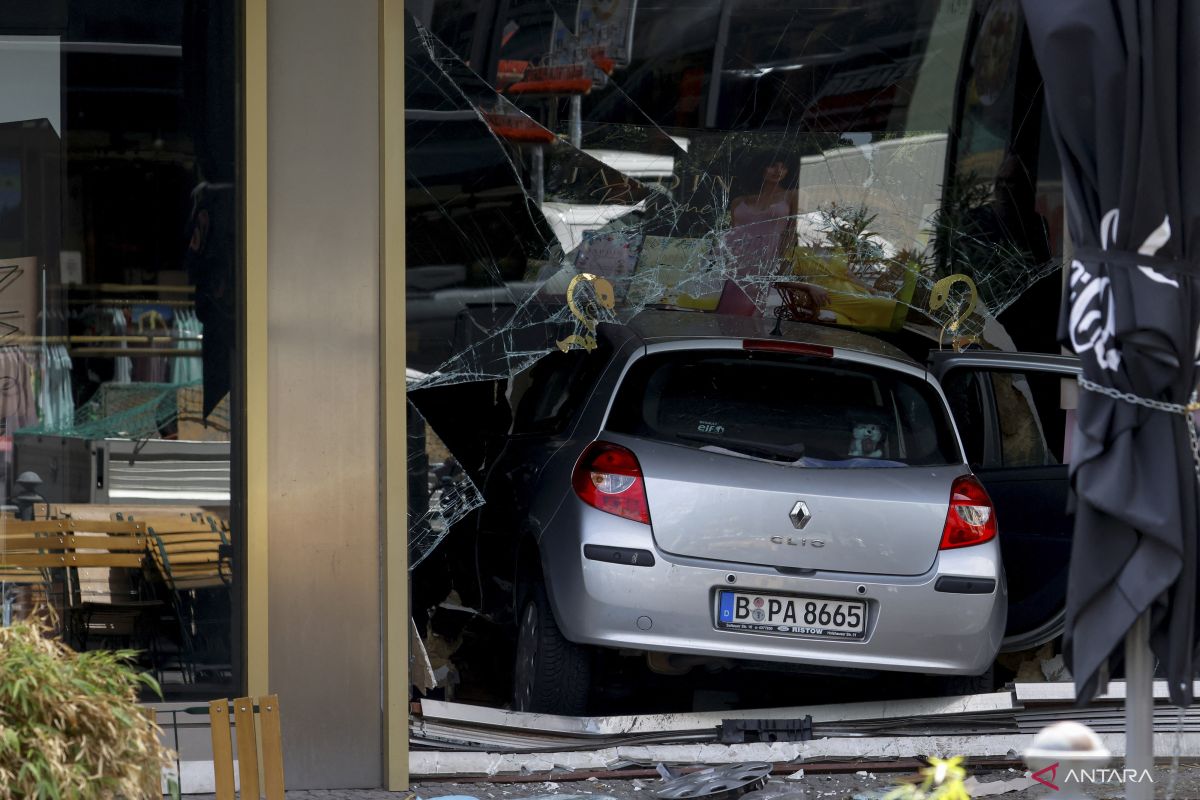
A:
745	448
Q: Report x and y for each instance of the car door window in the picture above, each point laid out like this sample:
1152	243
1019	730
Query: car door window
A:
964	390
1010	419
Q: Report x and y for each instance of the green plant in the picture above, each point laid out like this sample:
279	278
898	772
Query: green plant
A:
970	238
847	229
70	724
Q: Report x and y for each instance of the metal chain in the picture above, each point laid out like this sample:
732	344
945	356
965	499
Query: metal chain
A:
1137	400
1195	439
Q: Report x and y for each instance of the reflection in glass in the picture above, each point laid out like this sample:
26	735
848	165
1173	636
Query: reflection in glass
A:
118	264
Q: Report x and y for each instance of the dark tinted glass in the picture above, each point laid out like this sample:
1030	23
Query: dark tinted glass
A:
1010	419
546	396
811	412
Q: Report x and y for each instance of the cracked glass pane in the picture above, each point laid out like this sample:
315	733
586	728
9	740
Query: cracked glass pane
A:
867	165
439	492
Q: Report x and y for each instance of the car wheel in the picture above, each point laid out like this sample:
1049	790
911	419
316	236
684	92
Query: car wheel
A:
551	674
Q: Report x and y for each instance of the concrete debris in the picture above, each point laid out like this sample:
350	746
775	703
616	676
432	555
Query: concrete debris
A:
1055	669
434	764
422	671
600	727
991	788
863	736
1027	664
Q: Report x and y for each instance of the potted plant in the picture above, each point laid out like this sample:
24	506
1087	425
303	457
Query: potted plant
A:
70	723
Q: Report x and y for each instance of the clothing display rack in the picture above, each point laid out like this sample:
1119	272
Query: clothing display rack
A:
139	338
127	288
158	340
125	302
101	352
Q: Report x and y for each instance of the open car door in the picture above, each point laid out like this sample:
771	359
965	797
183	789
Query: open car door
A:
1015	414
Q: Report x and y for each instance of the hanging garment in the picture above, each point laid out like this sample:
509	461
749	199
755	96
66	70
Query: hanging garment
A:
151	369
187	331
55	398
17	407
122	366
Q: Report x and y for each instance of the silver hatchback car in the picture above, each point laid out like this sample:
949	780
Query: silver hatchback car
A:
718	489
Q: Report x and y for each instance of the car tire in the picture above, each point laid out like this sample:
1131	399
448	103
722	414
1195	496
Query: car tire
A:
551	675
970	684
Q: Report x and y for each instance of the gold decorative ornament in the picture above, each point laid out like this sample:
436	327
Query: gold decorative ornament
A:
938	297
605	297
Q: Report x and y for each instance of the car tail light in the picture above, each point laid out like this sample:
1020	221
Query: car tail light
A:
971	518
783	346
608	477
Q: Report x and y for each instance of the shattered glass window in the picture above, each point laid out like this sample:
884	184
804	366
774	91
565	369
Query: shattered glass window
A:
879	165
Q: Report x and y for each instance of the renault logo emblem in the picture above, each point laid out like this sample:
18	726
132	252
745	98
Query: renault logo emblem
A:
799	515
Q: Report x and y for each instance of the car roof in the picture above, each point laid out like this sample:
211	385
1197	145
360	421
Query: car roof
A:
654	325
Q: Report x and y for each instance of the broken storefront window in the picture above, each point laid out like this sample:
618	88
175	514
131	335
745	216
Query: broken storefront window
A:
882	167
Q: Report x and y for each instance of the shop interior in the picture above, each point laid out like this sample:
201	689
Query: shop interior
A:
117	332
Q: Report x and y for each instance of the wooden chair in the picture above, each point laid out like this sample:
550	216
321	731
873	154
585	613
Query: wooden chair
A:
188	554
34	551
242	717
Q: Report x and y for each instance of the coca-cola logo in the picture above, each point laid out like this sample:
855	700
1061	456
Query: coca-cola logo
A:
1092	319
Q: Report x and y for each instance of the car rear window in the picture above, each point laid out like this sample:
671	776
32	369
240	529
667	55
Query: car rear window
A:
801	410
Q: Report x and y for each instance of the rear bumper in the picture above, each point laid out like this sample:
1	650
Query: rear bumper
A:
670	606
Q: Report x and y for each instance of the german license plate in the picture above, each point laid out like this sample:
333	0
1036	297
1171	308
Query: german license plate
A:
792	614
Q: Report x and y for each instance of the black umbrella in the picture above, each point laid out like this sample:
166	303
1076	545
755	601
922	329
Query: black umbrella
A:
1123	95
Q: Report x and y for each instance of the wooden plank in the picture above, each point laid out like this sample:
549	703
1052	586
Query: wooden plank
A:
191	547
109	542
56	542
163	526
31	528
20	576
57	526
44	560
272	746
72	541
222	746
184	538
128	560
105	526
184	559
247	747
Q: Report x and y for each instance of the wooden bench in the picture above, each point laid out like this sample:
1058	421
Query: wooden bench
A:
34	552
68	543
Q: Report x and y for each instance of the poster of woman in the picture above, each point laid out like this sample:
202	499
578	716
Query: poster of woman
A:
761	235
